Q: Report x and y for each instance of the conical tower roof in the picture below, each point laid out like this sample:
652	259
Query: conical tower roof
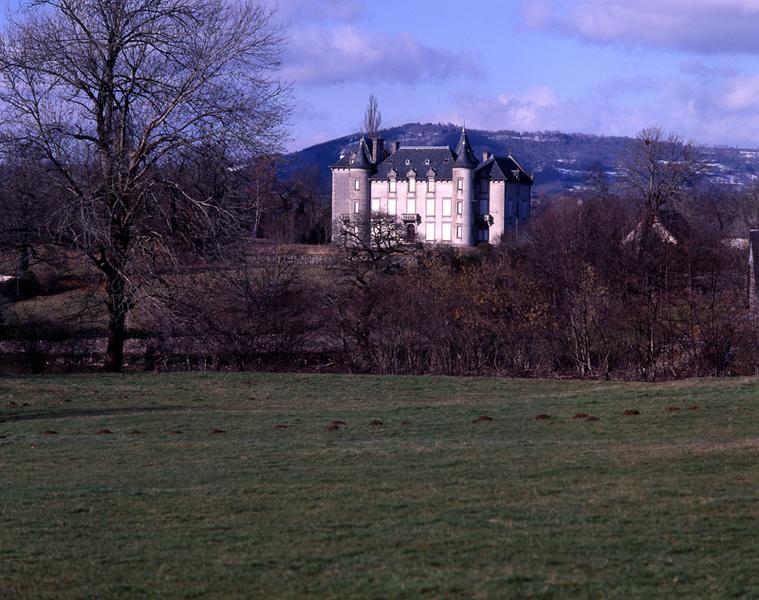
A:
361	160
464	154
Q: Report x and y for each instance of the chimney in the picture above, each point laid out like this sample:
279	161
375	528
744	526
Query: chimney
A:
485	156
394	147
378	149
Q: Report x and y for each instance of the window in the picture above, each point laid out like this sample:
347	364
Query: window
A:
375	204
509	208
460	184
393	185
410	205
356	206
525	209
483	235
483	207
484	186
431	185
392	206
446	207
431	207
459	208
458	232
429	231
411	185
446	232
518	188
356	184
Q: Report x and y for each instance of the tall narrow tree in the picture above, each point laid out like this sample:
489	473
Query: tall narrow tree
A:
113	94
372	118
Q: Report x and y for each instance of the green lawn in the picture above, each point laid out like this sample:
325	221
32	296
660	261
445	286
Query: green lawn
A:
662	504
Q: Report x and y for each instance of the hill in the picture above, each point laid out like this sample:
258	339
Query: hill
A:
560	161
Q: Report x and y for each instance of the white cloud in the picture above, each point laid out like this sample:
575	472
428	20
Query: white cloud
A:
333	56
719	111
741	94
704	26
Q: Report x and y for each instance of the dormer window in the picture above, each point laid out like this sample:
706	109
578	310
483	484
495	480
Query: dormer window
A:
393	185
427	161
408	161
430	185
412	185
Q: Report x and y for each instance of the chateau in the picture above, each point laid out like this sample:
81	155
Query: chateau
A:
441	195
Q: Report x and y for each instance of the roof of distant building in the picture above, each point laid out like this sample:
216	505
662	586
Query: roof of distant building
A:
498	168
421	160
356	157
464	154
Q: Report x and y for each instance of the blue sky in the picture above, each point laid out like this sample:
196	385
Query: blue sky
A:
594	66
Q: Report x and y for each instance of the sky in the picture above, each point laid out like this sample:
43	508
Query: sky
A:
608	67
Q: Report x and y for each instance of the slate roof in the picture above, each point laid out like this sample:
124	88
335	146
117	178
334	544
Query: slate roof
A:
499	168
416	157
464	154
357	157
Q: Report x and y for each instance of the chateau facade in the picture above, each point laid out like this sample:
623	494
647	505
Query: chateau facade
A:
441	195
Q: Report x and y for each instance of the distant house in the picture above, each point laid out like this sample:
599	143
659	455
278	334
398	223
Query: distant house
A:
441	195
669	226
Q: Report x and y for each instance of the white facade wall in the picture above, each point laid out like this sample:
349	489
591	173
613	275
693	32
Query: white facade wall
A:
497	190
448	218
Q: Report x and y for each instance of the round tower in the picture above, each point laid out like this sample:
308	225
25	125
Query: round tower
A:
463	186
359	187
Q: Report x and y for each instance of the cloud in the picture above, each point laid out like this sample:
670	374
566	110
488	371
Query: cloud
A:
702	26
720	111
333	56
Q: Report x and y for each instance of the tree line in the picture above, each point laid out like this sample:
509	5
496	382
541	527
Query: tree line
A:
139	142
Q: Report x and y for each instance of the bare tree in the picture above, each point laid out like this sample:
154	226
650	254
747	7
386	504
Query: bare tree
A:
114	94
372	118
660	168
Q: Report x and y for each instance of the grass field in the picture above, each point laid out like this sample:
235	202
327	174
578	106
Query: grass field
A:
660	504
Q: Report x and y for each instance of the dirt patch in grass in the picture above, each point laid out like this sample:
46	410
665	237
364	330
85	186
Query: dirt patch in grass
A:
69	413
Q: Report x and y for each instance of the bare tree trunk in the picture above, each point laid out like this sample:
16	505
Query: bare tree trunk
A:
117	313
114	354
